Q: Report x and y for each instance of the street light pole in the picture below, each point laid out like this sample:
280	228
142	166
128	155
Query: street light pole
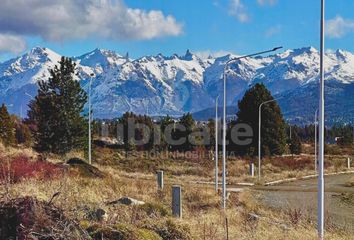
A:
259	134
89	135
316	122
224	120
320	207
216	146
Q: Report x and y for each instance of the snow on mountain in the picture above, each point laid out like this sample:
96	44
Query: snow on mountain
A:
100	60
155	84
341	67
27	69
176	84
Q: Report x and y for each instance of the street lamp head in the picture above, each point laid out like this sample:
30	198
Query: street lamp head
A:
29	95
276	48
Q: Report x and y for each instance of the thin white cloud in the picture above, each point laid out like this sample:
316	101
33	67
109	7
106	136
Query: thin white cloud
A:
338	27
216	3
60	20
267	2
270	32
11	43
238	9
208	53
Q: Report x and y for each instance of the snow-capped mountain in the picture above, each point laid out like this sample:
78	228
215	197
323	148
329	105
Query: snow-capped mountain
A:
160	85
100	61
27	69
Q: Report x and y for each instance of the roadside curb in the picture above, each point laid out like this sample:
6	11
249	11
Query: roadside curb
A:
245	184
303	178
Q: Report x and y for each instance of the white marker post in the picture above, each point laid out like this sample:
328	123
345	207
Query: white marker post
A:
252	169
160	183
177	201
348	163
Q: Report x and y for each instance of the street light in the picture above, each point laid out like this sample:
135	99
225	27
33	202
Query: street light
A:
29	95
320	206
316	122
259	133
89	134
216	146
224	120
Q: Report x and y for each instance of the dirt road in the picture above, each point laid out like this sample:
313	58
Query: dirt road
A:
302	194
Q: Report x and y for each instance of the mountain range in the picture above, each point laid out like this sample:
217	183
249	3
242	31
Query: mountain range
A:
160	85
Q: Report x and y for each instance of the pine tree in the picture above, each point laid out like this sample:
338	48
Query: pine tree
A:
211	129
7	127
343	133
22	132
140	133
165	122
295	144
272	125
57	110
188	123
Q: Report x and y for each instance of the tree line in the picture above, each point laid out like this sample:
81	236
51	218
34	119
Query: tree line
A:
273	127
13	130
339	134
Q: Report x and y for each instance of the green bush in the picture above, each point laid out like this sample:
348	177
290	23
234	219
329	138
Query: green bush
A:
170	230
154	209
332	149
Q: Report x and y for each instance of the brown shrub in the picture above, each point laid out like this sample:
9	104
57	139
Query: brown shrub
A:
21	167
292	163
28	218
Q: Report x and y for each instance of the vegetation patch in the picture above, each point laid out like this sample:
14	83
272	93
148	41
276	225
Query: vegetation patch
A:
28	218
84	169
350	183
291	163
170	230
121	232
154	209
21	167
347	198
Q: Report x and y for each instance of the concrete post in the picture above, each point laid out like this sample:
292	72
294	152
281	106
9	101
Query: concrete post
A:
177	201
348	163
252	169
160	180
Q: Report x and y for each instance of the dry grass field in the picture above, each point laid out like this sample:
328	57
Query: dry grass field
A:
66	201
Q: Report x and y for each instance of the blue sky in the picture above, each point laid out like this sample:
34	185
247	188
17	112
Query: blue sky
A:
172	26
